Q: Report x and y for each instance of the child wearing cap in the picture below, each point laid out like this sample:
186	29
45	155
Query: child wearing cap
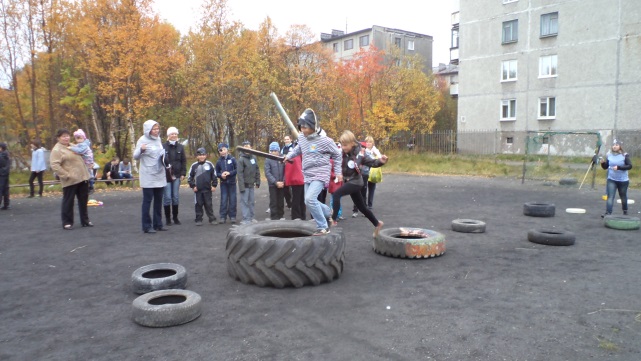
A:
317	149
248	178
226	168
275	174
82	147
202	179
617	162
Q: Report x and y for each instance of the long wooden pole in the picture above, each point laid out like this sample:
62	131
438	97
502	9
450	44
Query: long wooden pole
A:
288	122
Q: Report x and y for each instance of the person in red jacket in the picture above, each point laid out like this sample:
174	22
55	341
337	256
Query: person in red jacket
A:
294	179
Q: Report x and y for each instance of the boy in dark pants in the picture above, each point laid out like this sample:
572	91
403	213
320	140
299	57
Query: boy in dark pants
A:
275	174
226	171
202	179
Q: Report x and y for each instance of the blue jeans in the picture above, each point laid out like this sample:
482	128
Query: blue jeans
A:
171	193
227	201
149	194
318	210
247	204
611	187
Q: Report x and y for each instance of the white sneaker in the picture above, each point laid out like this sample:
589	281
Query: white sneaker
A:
355	214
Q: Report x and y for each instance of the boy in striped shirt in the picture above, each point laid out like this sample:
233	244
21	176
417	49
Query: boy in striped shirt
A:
317	149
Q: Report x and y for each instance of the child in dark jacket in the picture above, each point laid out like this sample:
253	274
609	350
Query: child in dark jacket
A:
353	158
248	178
202	179
275	174
226	172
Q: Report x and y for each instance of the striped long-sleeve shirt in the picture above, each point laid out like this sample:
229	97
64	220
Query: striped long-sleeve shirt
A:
316	151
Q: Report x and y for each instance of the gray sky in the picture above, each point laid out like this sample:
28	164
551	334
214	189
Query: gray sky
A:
430	17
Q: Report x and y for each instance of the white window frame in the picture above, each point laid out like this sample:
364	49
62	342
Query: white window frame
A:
335	47
514	31
511	109
550	108
350	46
549	19
509	64
548	66
363	41
410	45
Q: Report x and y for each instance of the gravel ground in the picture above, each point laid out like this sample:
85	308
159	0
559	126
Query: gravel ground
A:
66	295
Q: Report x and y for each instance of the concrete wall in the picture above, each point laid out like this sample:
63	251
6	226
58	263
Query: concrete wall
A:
598	48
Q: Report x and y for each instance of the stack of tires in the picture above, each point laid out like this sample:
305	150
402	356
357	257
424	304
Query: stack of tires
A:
164	301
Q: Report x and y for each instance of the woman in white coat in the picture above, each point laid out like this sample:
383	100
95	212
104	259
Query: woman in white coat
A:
150	152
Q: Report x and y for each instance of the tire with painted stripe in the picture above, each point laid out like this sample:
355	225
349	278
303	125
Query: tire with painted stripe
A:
166	308
284	254
409	243
537	209
468	226
625	223
551	237
158	276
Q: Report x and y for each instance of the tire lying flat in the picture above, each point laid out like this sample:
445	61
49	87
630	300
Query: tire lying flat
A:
409	243
536	209
568	181
625	223
158	276
284	254
166	308
551	237
575	210
468	226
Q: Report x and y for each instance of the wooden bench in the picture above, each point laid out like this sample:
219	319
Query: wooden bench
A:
54	182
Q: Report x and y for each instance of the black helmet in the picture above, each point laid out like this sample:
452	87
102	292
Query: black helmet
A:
308	120
201	151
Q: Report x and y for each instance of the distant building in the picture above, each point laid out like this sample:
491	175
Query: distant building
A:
530	65
449	74
345	46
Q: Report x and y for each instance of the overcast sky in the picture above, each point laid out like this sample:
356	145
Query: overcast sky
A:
430	17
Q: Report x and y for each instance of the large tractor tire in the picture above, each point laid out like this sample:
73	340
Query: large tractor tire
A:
284	254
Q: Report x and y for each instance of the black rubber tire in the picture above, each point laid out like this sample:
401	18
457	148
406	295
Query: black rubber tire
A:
568	181
389	243
468	226
158	276
551	237
535	209
284	254
166	308
625	223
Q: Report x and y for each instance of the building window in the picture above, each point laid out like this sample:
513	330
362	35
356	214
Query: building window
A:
547	66
410	45
508	71
547	108
510	31
508	109
348	44
335	47
549	24
363	41
397	42
455	38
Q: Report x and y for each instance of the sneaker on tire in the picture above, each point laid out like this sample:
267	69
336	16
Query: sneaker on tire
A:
321	232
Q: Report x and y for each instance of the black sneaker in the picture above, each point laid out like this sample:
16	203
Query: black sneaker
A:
605	214
625	213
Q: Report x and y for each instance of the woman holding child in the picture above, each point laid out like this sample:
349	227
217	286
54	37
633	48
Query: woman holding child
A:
74	177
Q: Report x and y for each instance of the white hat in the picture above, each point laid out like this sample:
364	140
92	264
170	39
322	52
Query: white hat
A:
172	130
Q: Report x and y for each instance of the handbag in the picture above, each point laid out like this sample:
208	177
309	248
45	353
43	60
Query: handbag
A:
375	175
169	174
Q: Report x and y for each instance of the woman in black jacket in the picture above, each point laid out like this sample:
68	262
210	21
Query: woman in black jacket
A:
353	158
174	156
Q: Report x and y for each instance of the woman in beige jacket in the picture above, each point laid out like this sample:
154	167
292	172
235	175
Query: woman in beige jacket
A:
74	178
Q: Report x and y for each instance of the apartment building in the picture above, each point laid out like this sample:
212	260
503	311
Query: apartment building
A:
345	46
538	65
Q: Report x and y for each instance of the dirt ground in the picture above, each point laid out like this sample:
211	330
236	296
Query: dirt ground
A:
66	295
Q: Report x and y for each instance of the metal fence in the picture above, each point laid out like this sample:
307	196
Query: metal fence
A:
494	141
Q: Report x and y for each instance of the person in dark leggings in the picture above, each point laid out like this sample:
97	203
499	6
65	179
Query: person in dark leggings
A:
617	162
353	157
38	168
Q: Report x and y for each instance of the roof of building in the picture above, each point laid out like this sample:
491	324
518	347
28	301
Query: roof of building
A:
445	69
333	36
